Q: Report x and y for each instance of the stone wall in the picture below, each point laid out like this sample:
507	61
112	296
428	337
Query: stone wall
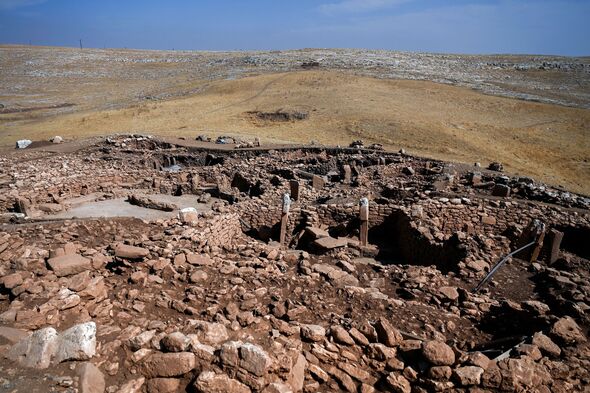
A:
223	230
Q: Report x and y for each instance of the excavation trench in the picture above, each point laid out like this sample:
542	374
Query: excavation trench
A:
396	239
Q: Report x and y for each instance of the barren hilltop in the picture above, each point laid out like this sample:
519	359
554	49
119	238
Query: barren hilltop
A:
528	112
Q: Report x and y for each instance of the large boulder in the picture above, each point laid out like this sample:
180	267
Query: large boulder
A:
387	334
313	332
398	383
36	350
168	364
438	353
67	265
77	343
546	345
567	331
468	375
254	359
212	333
175	342
130	252
209	382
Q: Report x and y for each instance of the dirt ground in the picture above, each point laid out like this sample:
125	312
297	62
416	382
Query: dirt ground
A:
548	142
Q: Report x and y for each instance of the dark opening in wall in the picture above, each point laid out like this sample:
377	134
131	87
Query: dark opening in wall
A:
576	239
399	241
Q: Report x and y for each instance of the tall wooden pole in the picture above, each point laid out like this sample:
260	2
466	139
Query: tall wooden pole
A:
364	216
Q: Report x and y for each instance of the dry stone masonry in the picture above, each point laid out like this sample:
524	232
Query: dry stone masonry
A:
128	264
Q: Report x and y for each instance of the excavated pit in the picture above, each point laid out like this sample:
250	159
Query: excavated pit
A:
279	116
219	274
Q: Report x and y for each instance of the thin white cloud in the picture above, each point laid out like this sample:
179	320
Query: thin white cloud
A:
12	4
358	6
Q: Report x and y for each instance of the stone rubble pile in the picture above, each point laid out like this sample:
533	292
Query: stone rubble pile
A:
211	301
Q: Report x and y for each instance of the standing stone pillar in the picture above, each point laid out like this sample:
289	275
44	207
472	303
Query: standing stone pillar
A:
317	182
194	182
364	216
535	231
284	218
294	185
347	174
554	243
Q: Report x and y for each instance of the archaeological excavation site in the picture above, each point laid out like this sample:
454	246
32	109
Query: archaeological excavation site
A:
138	264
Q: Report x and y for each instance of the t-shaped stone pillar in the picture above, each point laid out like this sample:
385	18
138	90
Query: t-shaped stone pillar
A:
285	218
347	174
294	185
364	216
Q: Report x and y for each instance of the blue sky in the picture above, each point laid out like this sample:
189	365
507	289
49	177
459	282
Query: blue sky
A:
454	26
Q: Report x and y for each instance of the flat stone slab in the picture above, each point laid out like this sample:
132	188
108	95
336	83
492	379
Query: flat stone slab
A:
13	335
330	243
317	233
67	265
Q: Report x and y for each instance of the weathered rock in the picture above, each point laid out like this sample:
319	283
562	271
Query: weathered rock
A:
316	233
91	378
133	386
163	385
36	350
230	353
340	335
438	353
188	216
478	359
50	207
276	387
387	334
468	375
254	359
546	345
449	293
567	331
13	335
209	382
11	280
141	340
440	372
77	343
343	379
212	333
67	265
296	376
175	342
313	332
329	243
522	374
130	252
398	383
198	276
167	364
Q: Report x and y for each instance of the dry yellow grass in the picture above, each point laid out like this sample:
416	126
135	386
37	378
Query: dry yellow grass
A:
548	142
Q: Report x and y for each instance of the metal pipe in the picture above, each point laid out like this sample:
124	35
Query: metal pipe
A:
498	265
